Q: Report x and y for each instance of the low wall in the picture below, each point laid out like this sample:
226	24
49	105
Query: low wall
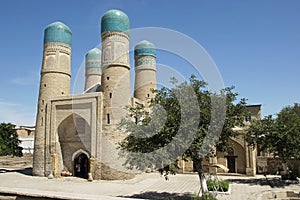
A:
272	165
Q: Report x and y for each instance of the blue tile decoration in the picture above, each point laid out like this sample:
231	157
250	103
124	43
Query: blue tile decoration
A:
93	60
145	48
115	20
144	62
58	32
93	54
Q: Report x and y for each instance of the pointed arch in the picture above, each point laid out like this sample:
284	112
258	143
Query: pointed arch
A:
73	136
78	152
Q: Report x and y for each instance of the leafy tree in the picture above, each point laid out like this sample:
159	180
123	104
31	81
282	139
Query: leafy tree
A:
259	131
185	121
9	142
279	136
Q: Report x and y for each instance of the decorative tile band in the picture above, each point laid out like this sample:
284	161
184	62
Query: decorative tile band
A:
145	52
114	33
52	47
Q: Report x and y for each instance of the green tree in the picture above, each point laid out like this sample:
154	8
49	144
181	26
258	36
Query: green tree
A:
9	142
279	136
185	121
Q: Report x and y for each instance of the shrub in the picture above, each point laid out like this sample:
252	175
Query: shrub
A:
220	186
294	172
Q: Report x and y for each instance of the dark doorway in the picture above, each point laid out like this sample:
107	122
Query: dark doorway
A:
231	163
81	166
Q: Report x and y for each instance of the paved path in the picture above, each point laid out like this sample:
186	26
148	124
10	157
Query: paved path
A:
150	186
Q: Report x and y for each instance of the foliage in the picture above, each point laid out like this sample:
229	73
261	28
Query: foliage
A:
293	172
279	136
221	186
205	196
185	121
259	130
9	142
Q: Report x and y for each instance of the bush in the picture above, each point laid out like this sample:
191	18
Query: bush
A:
294	172
205	196
220	186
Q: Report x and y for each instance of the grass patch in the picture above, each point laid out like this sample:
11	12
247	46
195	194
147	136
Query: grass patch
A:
220	186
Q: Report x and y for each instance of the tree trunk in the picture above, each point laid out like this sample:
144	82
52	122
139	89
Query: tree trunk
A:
202	179
203	183
285	168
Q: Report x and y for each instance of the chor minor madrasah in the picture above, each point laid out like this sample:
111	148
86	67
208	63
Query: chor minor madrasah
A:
77	134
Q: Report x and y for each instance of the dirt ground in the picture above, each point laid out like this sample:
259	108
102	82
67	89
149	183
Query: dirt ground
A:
16	163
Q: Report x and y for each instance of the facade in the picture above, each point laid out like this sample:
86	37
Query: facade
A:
77	133
240	158
26	137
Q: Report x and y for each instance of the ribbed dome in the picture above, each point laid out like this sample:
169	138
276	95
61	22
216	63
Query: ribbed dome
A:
58	32
93	54
115	20
145	48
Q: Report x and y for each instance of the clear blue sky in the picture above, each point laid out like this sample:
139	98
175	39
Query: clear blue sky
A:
255	44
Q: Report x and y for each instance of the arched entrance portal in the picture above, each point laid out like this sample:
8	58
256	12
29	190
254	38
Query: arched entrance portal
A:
81	166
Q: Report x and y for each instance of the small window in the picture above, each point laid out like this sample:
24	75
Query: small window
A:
45	85
110	95
108	119
248	119
107	78
148	95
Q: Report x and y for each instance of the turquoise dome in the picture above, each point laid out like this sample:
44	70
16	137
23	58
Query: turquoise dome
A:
58	32
93	61
145	48
115	20
93	54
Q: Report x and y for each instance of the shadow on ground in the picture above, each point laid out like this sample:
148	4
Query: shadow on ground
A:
26	171
272	182
162	195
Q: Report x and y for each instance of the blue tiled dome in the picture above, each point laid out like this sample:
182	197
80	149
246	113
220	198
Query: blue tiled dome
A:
93	61
145	48
93	54
115	20
58	32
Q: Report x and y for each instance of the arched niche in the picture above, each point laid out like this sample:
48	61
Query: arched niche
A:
74	135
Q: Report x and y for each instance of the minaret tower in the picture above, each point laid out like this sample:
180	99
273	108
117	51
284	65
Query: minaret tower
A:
116	67
145	70
93	69
54	82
